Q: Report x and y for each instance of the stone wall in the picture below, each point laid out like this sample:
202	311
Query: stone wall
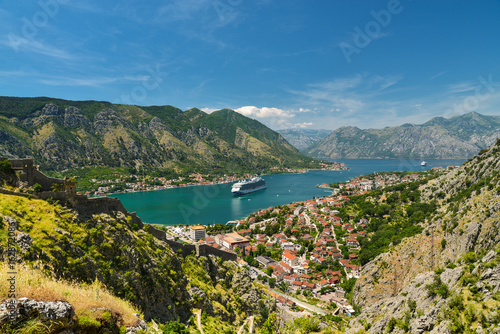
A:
200	250
158	234
24	169
108	205
60	196
205	250
8	192
28	172
45	181
185	249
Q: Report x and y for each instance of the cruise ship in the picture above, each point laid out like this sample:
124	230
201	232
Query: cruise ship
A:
247	187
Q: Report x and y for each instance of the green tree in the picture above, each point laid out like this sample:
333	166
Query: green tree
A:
269	326
37	188
269	271
272	282
172	327
6	167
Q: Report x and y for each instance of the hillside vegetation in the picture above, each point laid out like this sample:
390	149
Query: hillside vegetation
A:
62	134
103	265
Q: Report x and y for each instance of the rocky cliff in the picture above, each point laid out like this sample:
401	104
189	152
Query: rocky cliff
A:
62	134
458	137
303	138
446	279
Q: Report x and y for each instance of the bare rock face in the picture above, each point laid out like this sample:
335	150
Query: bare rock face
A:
241	282
18	310
24	241
141	327
74	118
455	258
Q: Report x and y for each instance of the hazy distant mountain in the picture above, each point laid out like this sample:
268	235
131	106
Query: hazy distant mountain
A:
457	137
303	138
62	134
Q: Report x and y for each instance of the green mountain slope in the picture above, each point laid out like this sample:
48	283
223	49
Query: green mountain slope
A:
62	134
458	137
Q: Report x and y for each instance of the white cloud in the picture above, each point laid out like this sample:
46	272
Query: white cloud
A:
462	87
209	110
19	43
303	125
265	112
91	82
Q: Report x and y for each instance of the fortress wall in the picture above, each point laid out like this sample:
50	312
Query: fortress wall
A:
185	249
45	181
24	168
205	250
99	205
60	196
158	234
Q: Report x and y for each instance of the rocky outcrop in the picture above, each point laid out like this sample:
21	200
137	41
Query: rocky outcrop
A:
24	241
59	316
19	310
428	282
301	139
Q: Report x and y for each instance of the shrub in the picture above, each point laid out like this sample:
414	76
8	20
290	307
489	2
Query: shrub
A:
391	324
174	327
412	305
37	188
89	324
6	167
437	288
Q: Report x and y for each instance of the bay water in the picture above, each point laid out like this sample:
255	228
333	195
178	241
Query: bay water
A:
214	204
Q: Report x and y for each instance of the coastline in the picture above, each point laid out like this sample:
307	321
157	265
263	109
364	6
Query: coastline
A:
166	188
210	184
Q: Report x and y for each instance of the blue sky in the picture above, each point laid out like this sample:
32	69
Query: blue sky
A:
317	64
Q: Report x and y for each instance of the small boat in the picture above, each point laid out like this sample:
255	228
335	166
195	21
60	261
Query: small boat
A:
423	163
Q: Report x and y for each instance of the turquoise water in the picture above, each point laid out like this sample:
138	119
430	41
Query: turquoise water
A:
215	203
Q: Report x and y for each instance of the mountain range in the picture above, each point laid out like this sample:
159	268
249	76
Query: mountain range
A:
61	134
303	138
440	138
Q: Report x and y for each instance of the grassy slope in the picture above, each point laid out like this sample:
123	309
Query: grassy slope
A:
91	302
81	261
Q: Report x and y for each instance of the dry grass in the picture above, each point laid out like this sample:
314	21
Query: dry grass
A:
87	300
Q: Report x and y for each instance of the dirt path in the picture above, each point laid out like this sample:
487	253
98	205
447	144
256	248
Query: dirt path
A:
198	315
243	326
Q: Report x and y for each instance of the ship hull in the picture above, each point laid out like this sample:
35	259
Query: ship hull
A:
247	191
